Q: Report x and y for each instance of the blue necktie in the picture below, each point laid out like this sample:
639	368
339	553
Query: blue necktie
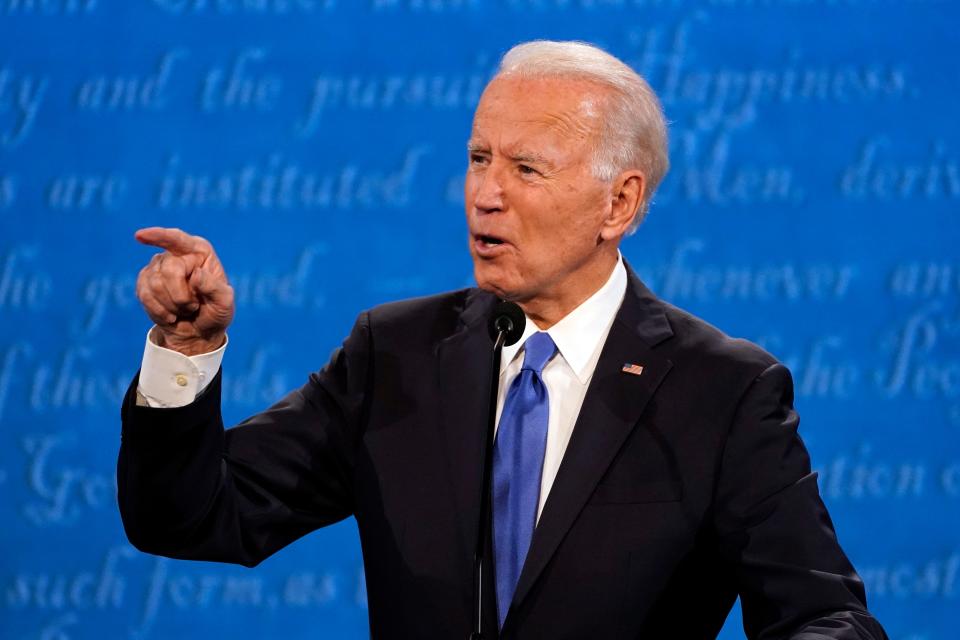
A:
517	466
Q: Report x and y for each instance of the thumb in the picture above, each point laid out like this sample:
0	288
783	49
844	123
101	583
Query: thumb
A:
207	285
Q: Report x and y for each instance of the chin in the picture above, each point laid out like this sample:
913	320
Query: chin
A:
492	279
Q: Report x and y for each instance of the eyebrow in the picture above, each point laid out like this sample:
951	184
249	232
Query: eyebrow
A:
520	156
530	156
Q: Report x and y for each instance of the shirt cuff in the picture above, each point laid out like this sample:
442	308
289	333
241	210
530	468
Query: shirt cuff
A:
170	379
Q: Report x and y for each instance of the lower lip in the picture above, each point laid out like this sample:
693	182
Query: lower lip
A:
485	250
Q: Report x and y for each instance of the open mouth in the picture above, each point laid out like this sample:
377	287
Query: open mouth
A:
490	241
488	246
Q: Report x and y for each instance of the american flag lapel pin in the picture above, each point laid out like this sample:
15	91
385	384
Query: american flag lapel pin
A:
633	369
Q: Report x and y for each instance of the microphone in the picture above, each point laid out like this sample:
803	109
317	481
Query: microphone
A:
509	320
506	326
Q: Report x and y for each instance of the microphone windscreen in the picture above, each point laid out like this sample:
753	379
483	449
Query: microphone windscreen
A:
507	317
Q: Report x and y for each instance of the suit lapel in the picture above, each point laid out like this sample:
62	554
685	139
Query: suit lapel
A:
611	408
464	369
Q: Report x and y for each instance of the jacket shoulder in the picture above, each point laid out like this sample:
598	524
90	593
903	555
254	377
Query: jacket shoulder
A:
428	318
699	343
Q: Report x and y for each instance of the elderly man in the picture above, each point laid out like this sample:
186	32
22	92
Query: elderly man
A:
646	467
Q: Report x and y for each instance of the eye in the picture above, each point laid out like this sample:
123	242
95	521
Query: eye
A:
478	158
527	170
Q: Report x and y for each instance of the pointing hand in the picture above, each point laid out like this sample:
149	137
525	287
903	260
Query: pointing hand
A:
185	291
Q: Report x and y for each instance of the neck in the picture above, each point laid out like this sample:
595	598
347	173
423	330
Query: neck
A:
550	308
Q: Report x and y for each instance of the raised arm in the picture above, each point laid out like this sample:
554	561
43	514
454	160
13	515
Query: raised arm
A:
190	489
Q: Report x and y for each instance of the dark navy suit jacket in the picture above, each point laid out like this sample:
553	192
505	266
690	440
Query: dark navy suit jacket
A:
680	488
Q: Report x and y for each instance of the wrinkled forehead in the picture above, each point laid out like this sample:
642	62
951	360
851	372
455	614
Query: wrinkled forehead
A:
566	109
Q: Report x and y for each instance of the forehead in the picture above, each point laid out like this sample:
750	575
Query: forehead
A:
519	111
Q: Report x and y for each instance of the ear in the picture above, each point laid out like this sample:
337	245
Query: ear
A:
625	198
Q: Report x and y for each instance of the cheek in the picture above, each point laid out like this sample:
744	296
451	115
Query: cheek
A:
569	236
585	215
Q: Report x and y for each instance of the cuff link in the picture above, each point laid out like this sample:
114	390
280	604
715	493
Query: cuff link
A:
181	380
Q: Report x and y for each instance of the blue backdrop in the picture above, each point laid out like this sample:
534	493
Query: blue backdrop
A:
319	144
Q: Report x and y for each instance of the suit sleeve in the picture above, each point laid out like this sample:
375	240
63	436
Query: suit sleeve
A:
189	489
793	578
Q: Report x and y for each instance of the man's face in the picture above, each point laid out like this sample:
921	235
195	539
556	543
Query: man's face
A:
534	208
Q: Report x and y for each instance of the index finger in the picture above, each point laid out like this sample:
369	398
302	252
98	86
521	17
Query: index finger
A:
175	241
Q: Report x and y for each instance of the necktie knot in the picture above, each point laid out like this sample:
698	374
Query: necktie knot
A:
538	349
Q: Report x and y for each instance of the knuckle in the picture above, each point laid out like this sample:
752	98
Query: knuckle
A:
180	296
156	281
172	266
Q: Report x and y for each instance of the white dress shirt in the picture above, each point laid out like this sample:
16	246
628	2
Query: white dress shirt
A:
171	379
579	337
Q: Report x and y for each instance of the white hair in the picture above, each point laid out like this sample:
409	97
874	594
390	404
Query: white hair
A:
633	132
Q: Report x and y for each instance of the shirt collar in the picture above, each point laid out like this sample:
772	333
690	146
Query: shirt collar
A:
578	333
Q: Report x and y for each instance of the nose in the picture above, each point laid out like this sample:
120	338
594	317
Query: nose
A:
488	196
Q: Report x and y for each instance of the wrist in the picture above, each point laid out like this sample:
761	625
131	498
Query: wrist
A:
193	346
